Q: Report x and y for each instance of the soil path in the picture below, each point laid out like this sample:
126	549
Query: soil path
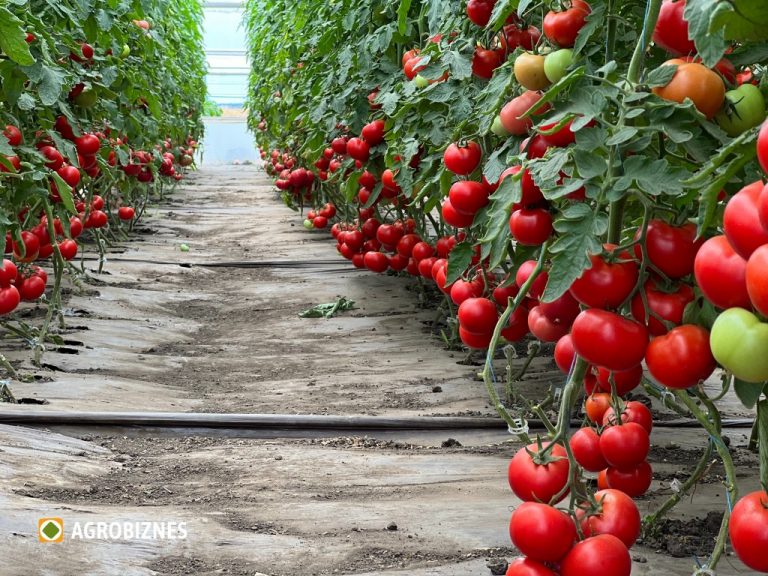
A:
154	335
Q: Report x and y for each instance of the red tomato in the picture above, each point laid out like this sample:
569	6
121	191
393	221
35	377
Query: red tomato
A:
463	160
68	249
671	32
479	11
477	341
563	27
562	138
565	354
671	249
485	62
669	306
376	262
741	221
13	135
358	149
585	445
625	381
513	37
541	532
478	315
535	478
603	555
31	247
563	310
625	446
399	263
633	411
543	328
682	358
421	251
339	145
461	290
8	273
721	274
454	218
373	133
530	227
762	147
606	339
517	325
757	279
634	482
606	285
9	299
31	288
502	295
527	567
748	532
468	197
87	144
617	515
524	272
405	244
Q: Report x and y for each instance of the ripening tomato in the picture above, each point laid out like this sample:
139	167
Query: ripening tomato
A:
529	71
606	339
596	405
634	482
697	82
669	306
585	445
536	477
562	28
671	249
513	37
541	532
741	221
606	284
721	274
511	113
739	340
625	446
749	530
463	160
681	358
617	515
530	227
671	32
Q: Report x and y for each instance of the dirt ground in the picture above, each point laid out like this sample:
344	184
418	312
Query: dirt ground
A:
152	335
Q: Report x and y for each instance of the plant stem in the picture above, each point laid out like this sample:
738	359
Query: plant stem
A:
638	58
610	42
616	220
762	427
711	423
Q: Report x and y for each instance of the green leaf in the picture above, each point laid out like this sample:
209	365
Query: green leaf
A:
581	231
709	39
741	20
495	165
26	102
49	82
654	178
65	192
661	76
459	261
748	392
351	186
402	15
624	135
595	21
13	38
460	65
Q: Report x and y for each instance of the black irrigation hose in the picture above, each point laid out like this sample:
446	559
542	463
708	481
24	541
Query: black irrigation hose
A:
289	422
233	264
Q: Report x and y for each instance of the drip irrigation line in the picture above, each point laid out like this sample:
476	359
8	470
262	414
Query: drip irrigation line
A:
233	264
291	422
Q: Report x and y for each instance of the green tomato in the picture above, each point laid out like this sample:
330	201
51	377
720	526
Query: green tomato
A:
308	224
87	98
556	64
126	51
420	81
739	343
745	109
498	128
184	248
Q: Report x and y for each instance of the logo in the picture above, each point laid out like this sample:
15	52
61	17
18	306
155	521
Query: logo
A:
50	530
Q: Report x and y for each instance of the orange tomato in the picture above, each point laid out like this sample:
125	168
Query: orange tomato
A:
596	405
701	85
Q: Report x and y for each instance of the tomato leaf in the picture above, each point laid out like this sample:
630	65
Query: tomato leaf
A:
351	186
740	20
661	76
13	38
49	82
65	192
459	261
748	392
654	178
402	15
709	38
581	230
595	21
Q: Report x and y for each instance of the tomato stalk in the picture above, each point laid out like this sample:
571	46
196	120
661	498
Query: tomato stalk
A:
610	42
710	421
487	373
58	270
762	426
638	57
